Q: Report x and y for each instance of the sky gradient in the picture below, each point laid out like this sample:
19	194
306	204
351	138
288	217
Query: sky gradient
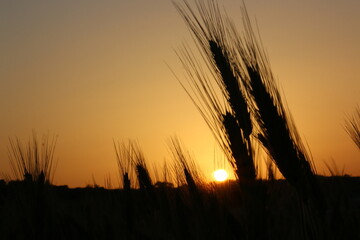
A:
96	71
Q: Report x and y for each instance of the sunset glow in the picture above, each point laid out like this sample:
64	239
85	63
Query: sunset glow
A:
220	175
91	72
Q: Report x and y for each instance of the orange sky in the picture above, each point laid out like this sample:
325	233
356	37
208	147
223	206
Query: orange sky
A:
93	71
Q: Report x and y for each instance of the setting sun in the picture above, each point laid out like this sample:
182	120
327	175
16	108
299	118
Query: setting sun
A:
220	175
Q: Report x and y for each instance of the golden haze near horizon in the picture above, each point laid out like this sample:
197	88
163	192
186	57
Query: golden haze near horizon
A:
94	72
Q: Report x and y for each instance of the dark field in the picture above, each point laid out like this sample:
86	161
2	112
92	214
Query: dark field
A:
268	210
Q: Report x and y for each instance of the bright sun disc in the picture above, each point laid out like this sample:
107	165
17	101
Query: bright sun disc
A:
220	175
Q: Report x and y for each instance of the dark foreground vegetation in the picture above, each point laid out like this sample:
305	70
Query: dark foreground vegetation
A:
31	210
